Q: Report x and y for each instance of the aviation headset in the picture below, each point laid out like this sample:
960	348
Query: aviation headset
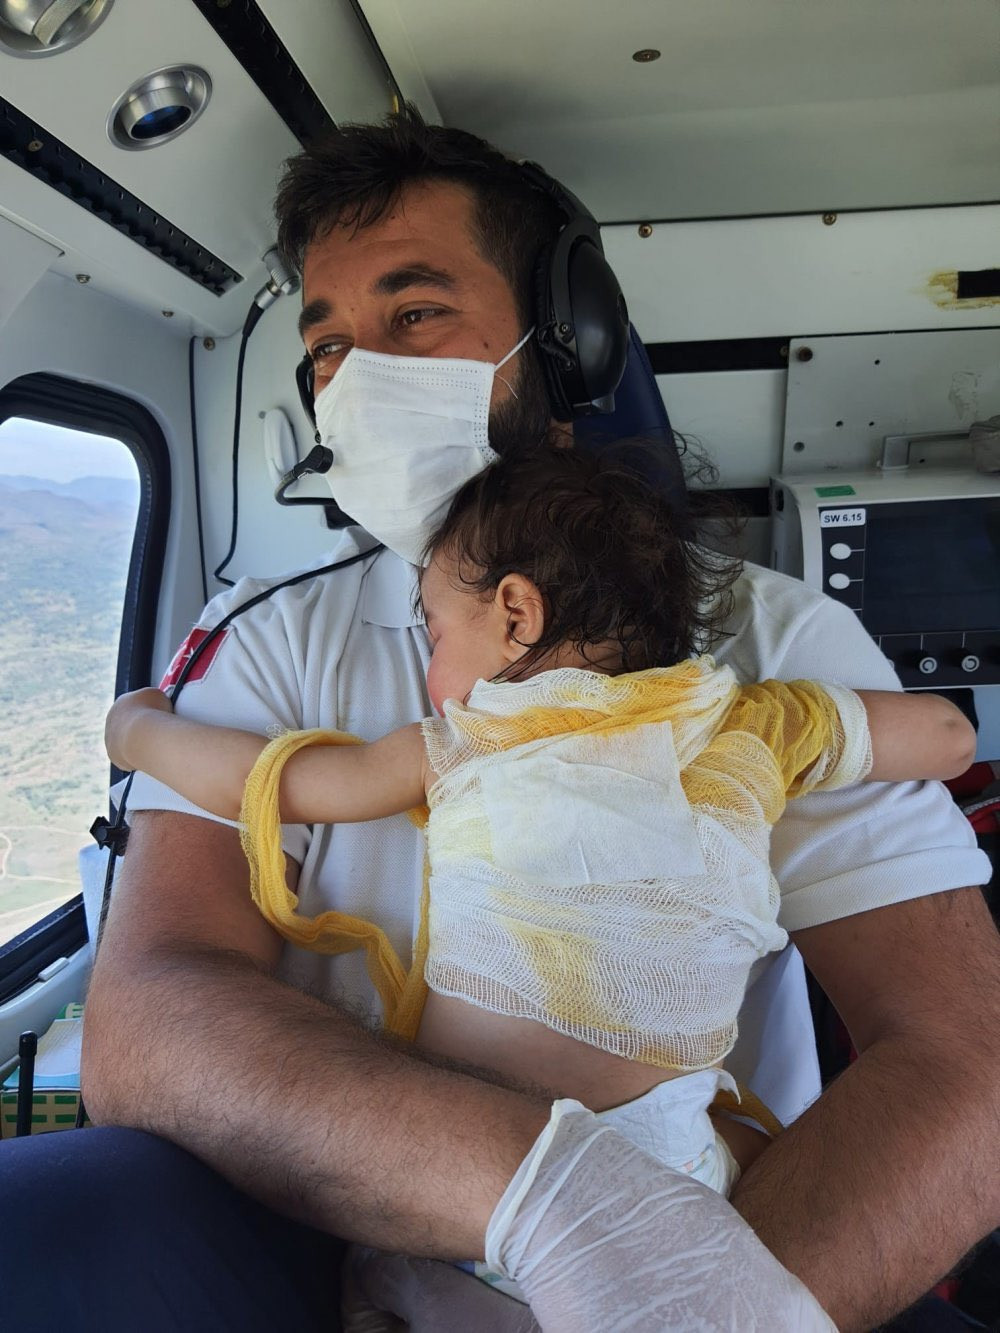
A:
581	321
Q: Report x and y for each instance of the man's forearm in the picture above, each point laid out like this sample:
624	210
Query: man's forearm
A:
885	1181
401	1153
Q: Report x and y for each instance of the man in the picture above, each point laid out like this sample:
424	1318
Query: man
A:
868	1197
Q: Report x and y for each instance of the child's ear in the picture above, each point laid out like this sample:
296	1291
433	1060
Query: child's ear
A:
520	603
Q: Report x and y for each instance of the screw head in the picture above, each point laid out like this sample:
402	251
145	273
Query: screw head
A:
829	219
167	314
647	54
35	145
208	344
645	230
804	354
83	278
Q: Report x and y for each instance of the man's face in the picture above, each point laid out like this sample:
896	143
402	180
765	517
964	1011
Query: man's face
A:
415	284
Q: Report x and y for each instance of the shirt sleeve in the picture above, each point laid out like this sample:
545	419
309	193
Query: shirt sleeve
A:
253	681
836	853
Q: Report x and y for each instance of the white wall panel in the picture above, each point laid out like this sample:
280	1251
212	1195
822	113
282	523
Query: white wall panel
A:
736	418
272	539
795	276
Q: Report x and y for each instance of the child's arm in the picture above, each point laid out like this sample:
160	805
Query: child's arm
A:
209	765
916	736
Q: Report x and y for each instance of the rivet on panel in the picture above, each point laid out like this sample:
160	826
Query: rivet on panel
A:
804	354
798	446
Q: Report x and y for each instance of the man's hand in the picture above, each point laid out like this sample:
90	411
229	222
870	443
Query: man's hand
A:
600	1235
123	719
890	1176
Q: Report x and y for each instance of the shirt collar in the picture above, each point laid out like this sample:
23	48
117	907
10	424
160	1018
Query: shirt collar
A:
388	593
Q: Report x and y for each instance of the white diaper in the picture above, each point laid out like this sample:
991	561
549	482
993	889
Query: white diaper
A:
672	1124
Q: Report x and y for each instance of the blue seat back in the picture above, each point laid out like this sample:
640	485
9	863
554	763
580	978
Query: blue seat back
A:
639	414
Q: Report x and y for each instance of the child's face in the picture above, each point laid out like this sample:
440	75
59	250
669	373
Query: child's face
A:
468	635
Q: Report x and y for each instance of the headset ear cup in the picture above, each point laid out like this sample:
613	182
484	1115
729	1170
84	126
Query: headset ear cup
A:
554	360
583	329
600	322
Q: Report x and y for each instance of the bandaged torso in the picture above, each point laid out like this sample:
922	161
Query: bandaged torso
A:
599	846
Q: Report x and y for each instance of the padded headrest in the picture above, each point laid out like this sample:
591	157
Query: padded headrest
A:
639	414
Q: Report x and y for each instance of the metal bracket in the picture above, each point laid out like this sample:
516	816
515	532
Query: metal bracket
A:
896	448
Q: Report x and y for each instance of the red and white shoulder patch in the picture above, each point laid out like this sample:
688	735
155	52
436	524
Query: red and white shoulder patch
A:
186	651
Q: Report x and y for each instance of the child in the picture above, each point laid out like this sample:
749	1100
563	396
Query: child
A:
600	800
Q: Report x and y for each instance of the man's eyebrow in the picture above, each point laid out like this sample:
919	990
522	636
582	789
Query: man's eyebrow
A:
389	284
313	313
412	275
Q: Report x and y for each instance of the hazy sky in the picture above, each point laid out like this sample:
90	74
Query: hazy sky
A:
33	449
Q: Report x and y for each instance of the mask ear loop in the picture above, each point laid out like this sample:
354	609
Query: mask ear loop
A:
503	361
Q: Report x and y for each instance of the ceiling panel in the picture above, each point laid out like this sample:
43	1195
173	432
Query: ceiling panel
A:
775	106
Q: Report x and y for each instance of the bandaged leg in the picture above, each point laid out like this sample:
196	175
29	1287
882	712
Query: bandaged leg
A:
599	1235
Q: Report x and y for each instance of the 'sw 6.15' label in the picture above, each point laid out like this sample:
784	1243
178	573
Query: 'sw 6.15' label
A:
841	518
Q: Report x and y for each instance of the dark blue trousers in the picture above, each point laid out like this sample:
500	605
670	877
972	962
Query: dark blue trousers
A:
116	1231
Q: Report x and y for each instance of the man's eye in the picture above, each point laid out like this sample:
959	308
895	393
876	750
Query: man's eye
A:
409	318
323	351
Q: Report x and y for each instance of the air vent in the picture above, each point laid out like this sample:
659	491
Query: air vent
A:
159	106
46	27
31	147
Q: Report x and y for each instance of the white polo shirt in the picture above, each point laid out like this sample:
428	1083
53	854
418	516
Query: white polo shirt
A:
347	650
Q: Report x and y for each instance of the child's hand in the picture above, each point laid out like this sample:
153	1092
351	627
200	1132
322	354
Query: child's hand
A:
120	730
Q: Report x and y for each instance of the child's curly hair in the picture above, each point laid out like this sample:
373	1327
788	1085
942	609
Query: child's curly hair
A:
610	553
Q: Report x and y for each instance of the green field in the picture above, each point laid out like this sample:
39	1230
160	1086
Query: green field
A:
63	566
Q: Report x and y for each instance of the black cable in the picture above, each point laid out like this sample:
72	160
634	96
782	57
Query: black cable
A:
197	474
253	315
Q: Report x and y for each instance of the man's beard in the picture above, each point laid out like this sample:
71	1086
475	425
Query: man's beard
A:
525	421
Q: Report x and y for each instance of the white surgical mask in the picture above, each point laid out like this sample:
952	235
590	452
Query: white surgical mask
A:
406	433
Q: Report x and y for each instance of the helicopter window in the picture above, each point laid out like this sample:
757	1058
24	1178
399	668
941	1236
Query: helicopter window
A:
84	503
68	507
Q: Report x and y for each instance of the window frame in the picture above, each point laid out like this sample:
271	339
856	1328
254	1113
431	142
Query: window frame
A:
58	400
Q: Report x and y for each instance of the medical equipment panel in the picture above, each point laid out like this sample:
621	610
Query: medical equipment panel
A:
915	554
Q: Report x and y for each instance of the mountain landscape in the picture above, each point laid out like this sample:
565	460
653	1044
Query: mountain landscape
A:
64	553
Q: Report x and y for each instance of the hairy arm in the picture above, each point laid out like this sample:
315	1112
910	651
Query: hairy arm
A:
209	765
885	1181
288	1098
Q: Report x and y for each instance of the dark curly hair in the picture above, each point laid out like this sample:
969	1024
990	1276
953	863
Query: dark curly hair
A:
353	176
613	560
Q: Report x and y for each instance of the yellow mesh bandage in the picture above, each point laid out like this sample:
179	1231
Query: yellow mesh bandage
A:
599	847
402	993
633	928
